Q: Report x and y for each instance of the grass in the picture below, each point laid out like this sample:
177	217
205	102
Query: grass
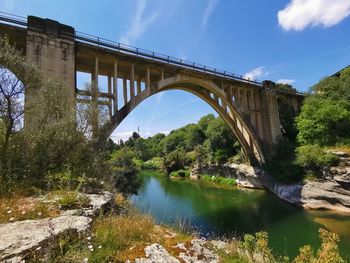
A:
69	199
117	238
19	208
219	180
230	254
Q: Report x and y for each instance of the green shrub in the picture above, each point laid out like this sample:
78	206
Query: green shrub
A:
180	173
312	157
281	163
123	171
220	180
64	180
153	164
70	199
258	244
174	161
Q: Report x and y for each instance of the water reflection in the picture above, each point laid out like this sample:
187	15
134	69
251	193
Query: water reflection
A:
221	212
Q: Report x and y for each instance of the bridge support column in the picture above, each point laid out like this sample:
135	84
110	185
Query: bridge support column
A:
94	98
270	116
50	45
125	91
115	87
148	79
110	101
139	86
132	82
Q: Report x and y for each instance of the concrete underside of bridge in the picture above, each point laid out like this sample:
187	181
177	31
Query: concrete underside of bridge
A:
249	109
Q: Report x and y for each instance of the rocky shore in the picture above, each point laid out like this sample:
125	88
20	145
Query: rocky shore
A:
21	238
331	193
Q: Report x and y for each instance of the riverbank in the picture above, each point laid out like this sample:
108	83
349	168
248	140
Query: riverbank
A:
125	235
330	193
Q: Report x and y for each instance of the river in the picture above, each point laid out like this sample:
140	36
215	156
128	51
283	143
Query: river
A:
215	212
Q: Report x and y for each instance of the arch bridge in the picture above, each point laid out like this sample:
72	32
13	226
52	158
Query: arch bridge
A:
248	107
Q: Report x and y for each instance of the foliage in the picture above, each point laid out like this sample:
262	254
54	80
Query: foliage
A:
123	171
141	149
220	141
180	173
281	163
327	253
258	244
174	161
312	157
15	74
210	140
153	164
61	144
325	115
219	180
69	199
64	180
323	121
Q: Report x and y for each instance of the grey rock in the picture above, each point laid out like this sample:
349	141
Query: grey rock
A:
219	244
155	253
199	253
22	236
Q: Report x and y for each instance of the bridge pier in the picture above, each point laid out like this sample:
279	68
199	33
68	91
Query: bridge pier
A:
270	116
51	47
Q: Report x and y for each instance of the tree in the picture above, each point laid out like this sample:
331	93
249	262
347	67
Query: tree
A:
141	149
325	115
124	175
323	121
194	136
204	121
174	160
15	74
175	140
220	141
110	145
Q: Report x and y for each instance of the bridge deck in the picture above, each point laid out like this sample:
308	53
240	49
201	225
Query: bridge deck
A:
21	22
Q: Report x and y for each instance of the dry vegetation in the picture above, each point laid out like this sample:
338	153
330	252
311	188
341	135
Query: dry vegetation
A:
19	208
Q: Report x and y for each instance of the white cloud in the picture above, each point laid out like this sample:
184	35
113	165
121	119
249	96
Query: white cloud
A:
255	73
299	14
209	11
286	81
139	24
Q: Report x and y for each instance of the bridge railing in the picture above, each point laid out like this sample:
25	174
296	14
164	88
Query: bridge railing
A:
158	57
10	19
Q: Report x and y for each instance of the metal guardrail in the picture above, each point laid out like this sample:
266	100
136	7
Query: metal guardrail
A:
19	21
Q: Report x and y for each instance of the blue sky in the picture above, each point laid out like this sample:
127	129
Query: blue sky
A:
294	41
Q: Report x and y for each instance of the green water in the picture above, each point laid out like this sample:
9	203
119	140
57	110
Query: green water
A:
214	211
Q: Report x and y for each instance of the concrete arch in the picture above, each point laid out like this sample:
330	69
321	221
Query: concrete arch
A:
206	90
